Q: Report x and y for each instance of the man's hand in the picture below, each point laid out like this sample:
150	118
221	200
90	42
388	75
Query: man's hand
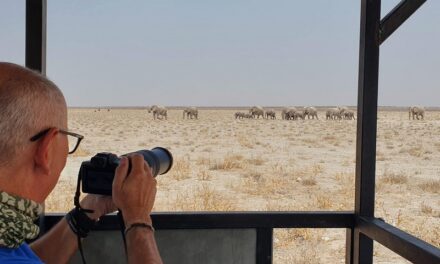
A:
59	244
100	204
134	193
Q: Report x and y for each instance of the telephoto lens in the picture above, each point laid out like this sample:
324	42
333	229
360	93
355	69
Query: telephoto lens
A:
159	159
98	173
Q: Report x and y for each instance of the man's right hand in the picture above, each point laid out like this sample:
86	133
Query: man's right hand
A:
134	193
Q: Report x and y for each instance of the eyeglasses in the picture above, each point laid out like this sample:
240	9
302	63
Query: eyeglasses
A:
73	138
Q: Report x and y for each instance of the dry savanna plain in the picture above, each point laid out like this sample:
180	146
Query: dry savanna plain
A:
224	164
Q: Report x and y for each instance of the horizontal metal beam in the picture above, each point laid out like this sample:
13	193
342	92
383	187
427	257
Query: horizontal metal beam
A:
402	243
211	220
395	18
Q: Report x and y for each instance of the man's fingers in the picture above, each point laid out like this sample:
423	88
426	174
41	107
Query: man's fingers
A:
137	164
148	170
120	173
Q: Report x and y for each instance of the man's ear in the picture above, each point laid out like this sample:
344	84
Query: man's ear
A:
43	154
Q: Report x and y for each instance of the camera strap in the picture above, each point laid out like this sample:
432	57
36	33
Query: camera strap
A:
124	239
78	220
81	224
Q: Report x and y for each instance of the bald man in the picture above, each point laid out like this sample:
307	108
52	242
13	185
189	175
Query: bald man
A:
33	151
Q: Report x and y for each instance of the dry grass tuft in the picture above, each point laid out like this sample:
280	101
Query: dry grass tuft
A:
329	138
308	254
416	151
432	186
305	242
426	209
323	202
399	218
279	170
181	169
393	178
263	185
203	161
255	176
204	198
230	162
273	185
204	175
245	142
345	178
287	236
255	161
317	169
309	181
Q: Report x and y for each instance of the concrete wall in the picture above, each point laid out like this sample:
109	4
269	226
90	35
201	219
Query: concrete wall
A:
195	246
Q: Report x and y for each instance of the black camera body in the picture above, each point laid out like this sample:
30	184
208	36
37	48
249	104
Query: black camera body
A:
98	173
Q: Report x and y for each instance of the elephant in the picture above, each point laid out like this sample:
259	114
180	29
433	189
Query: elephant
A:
286	110
334	114
349	115
256	111
311	112
248	116
190	112
300	114
158	111
294	114
328	115
342	110
416	111
271	113
239	115
283	112
290	115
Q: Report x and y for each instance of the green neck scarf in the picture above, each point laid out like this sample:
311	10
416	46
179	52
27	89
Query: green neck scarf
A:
17	216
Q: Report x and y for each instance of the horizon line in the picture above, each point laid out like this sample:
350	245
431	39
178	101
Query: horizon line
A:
240	107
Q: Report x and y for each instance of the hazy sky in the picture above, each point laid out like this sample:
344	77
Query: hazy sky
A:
225	53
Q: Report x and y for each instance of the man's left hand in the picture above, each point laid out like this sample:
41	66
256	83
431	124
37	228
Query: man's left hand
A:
100	204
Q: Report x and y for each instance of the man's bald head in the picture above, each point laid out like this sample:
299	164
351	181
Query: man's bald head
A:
29	103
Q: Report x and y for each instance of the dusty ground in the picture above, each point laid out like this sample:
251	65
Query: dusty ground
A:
227	164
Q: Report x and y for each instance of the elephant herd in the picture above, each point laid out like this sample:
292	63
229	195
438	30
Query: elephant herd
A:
256	112
161	112
339	113
287	113
294	113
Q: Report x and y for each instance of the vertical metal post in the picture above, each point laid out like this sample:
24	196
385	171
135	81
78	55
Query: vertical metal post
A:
366	125
36	11
349	245
264	245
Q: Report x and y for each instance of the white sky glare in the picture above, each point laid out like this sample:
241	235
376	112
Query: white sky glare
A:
225	53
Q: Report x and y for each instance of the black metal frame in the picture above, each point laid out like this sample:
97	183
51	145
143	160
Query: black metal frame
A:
362	228
263	222
36	14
